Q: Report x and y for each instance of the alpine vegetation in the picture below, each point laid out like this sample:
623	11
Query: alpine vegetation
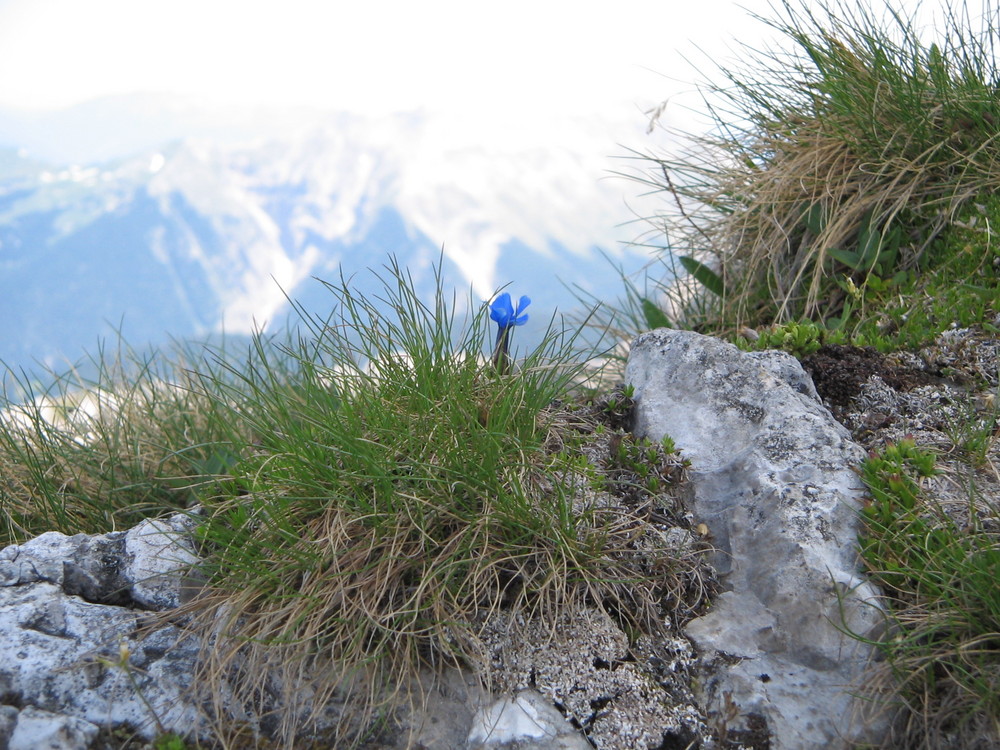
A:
394	489
834	162
391	495
843	208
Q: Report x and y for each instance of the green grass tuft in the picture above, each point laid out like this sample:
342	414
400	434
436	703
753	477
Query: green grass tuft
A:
100	453
837	157
397	490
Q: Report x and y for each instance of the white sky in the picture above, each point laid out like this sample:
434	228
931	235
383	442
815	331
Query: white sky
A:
364	55
509	66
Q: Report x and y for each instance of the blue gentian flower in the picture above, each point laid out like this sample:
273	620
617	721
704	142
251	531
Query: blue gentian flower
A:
504	314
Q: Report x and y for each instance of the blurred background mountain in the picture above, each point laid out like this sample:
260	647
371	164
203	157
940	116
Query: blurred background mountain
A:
158	216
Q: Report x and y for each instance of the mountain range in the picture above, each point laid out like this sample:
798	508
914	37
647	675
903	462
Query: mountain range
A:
188	235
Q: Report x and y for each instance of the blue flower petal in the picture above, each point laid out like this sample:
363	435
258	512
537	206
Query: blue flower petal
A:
521	317
501	311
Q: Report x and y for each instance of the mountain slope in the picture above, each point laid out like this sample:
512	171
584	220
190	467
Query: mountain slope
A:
198	236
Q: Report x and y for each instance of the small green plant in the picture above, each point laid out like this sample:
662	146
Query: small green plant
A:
617	406
959	289
945	603
800	339
876	252
973	431
653	315
643	466
704	275
122	664
892	477
169	741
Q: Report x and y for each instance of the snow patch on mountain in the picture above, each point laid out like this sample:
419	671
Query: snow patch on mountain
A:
202	235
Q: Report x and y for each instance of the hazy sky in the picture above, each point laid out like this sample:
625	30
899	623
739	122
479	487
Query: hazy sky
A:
505	66
363	55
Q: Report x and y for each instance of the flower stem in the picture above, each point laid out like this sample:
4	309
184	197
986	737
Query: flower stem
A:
501	359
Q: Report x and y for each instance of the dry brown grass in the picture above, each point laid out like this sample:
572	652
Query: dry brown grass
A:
862	125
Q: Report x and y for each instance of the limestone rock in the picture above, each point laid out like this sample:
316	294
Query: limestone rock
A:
34	729
70	638
526	721
588	667
8	720
772	478
159	556
143	567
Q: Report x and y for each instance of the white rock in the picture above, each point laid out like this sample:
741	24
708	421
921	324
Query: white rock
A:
40	730
88	566
528	720
62	627
62	654
158	554
145	566
772	476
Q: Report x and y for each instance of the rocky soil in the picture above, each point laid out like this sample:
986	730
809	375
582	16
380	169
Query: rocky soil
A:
73	610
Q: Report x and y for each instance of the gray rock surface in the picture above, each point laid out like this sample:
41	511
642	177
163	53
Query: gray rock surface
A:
144	566
771	476
75	652
159	554
34	729
71	609
600	678
772	479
